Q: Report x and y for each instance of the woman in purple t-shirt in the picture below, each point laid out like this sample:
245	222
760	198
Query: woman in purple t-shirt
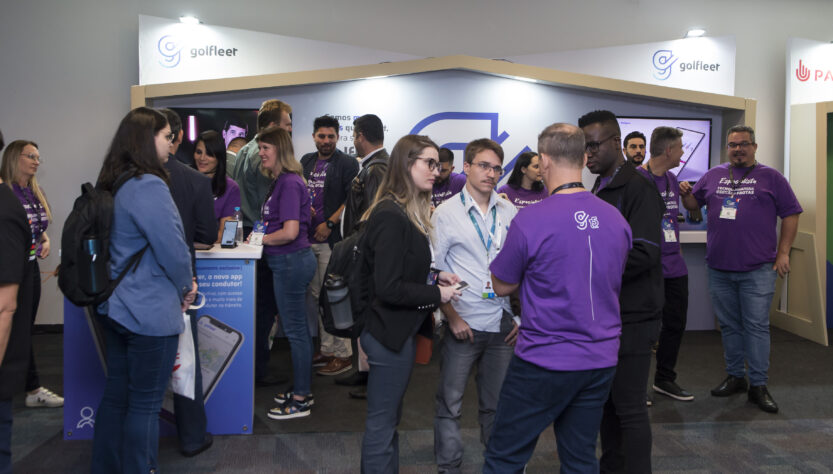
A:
210	157
20	164
286	248
524	186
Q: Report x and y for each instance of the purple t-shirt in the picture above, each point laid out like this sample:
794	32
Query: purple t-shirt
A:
36	213
521	197
673	264
453	185
568	253
224	205
289	201
748	241
315	185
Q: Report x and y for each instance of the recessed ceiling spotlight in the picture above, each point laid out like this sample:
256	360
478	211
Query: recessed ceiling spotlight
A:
189	20
695	33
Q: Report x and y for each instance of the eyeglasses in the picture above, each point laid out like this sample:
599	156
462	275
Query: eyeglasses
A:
593	147
431	162
733	145
32	156
170	137
485	167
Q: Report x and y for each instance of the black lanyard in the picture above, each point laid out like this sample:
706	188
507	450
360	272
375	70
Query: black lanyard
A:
732	178
654	178
575	184
599	181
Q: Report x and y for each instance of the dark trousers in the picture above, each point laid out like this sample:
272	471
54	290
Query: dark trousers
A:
190	414
265	310
674	315
6	436
533	397
625	428
32	379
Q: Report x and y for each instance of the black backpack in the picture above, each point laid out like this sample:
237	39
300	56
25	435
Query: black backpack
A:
347	261
84	273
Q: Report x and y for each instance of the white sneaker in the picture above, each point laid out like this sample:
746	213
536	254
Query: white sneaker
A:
44	398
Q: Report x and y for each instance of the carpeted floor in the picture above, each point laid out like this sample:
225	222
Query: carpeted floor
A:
707	435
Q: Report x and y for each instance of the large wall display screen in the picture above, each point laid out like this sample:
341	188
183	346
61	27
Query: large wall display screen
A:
696	141
231	123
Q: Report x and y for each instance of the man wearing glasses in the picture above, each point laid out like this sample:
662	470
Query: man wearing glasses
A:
469	230
744	198
625	429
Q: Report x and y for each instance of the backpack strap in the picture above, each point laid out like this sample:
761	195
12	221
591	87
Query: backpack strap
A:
133	262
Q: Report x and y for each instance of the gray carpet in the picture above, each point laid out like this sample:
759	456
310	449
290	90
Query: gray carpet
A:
707	435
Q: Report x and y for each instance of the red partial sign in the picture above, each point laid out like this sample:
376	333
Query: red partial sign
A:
804	74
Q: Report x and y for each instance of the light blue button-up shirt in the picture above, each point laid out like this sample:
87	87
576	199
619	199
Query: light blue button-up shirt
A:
459	249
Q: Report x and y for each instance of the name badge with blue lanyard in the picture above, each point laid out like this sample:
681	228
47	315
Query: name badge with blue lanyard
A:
487	292
730	204
668	230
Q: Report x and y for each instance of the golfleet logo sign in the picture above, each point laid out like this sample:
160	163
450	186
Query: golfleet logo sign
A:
663	61
804	73
170	51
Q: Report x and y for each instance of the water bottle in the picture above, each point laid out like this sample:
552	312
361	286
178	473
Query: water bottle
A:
338	295
238	235
94	274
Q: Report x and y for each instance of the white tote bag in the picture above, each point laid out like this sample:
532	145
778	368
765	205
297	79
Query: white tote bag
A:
184	373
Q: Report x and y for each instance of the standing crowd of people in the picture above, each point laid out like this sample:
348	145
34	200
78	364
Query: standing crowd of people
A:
553	294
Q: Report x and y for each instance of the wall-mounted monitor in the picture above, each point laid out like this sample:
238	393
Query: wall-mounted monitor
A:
696	141
231	123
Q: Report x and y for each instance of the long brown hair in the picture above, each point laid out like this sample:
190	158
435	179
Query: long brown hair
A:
280	139
8	171
398	185
134	148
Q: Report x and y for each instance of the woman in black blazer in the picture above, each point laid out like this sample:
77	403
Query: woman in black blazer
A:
398	257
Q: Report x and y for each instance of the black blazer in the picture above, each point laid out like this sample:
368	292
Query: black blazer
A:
191	191
340	173
363	190
399	261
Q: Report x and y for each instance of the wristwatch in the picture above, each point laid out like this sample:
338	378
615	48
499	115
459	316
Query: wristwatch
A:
330	224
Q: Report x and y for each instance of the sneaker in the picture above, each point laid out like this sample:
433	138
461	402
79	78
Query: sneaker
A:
284	397
336	366
671	389
44	398
291	409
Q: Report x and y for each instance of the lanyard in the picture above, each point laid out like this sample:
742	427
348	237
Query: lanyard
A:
576	184
486	244
599	181
654	178
35	209
732	178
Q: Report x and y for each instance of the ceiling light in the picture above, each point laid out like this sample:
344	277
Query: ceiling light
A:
189	20
695	33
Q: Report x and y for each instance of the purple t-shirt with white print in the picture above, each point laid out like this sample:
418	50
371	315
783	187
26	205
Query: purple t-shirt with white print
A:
453	185
224	205
315	184
289	201
749	240
521	197
568	253
673	264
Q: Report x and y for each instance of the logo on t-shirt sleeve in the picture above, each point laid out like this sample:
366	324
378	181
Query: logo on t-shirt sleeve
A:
583	220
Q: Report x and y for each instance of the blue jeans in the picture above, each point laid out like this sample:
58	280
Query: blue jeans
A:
6	436
127	422
387	381
291	274
491	355
533	397
741	301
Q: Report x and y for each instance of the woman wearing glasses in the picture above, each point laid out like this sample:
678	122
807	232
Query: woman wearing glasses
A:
524	186
20	165
401	291
142	319
210	157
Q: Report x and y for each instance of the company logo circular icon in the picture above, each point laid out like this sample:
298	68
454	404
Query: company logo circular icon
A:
802	72
169	48
662	61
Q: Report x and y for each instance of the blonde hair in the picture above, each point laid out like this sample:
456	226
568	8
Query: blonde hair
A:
398	185
8	171
280	139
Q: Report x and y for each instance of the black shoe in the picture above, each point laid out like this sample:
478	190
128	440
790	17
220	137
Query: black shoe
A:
359	393
209	440
729	386
353	379
760	396
270	381
671	389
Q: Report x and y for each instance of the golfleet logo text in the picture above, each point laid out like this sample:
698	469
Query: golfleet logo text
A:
170	51
663	61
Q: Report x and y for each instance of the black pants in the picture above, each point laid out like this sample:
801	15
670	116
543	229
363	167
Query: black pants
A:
32	378
626	429
265	310
674	315
190	414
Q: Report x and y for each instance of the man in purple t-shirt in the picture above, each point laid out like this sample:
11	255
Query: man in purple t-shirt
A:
448	183
666	151
744	198
565	255
328	172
